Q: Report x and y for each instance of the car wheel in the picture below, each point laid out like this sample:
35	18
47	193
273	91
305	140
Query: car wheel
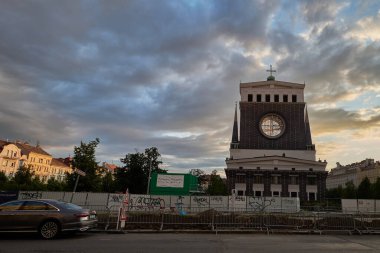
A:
49	229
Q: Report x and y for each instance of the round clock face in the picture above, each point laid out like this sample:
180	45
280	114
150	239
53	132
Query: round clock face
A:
272	125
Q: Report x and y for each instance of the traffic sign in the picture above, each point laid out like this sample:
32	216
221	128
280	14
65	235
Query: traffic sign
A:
80	172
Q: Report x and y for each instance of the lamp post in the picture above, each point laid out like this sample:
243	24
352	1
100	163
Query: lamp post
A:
150	169
79	173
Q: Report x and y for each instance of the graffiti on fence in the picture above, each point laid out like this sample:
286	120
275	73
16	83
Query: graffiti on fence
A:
216	199
146	203
31	195
259	204
179	202
115	199
201	201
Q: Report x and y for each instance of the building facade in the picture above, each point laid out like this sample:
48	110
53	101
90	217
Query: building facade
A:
274	154
10	158
355	173
13	155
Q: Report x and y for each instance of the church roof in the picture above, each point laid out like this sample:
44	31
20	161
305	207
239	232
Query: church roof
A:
272	82
279	158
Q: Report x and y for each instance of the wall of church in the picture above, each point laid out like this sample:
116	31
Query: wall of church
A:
272	91
250	153
294	137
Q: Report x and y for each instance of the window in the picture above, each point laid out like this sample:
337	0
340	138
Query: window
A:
257	179
240	168
258	98
240	193
294	180
267	98
275	168
276	98
293	169
276	180
34	206
311	196
294	98
275	194
311	180
285	98
12	206
257	168
249	97
310	169
258	194
294	194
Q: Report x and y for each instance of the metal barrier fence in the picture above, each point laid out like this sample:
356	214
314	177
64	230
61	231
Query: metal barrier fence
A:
211	220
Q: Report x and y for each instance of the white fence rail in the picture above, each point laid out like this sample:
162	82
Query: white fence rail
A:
192	204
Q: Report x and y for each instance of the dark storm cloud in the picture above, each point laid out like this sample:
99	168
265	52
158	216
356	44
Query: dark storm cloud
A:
142	73
125	71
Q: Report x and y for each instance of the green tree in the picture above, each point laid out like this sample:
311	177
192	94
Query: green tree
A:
364	189
3	181
375	189
22	179
108	183
216	185
84	159
55	185
37	185
201	176
134	175
335	193
349	191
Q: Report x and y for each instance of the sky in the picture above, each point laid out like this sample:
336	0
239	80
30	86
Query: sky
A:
139	74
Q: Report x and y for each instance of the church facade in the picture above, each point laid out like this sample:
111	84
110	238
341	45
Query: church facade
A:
274	155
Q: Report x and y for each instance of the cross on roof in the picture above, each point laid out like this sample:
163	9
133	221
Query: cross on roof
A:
271	70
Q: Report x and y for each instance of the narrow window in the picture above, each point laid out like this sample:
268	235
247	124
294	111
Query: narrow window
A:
267	98
249	97
294	98
258	98
276	98
285	98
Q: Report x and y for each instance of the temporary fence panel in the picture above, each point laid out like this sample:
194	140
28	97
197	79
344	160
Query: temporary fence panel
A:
349	205
237	203
97	199
180	204
366	205
219	203
145	203
200	203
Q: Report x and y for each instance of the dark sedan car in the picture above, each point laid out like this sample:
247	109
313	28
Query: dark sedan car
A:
46	216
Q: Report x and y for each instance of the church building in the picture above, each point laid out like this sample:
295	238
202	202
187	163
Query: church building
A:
274	155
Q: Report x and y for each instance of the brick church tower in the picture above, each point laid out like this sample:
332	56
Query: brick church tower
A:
274	156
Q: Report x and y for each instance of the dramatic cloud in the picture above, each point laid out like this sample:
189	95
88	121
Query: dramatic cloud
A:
143	73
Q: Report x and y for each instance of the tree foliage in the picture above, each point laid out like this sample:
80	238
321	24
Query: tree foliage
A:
134	175
85	160
216	185
364	189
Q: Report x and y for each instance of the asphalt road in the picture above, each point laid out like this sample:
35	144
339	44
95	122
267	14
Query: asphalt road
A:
186	243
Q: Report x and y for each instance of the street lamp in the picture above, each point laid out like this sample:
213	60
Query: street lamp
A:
150	170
